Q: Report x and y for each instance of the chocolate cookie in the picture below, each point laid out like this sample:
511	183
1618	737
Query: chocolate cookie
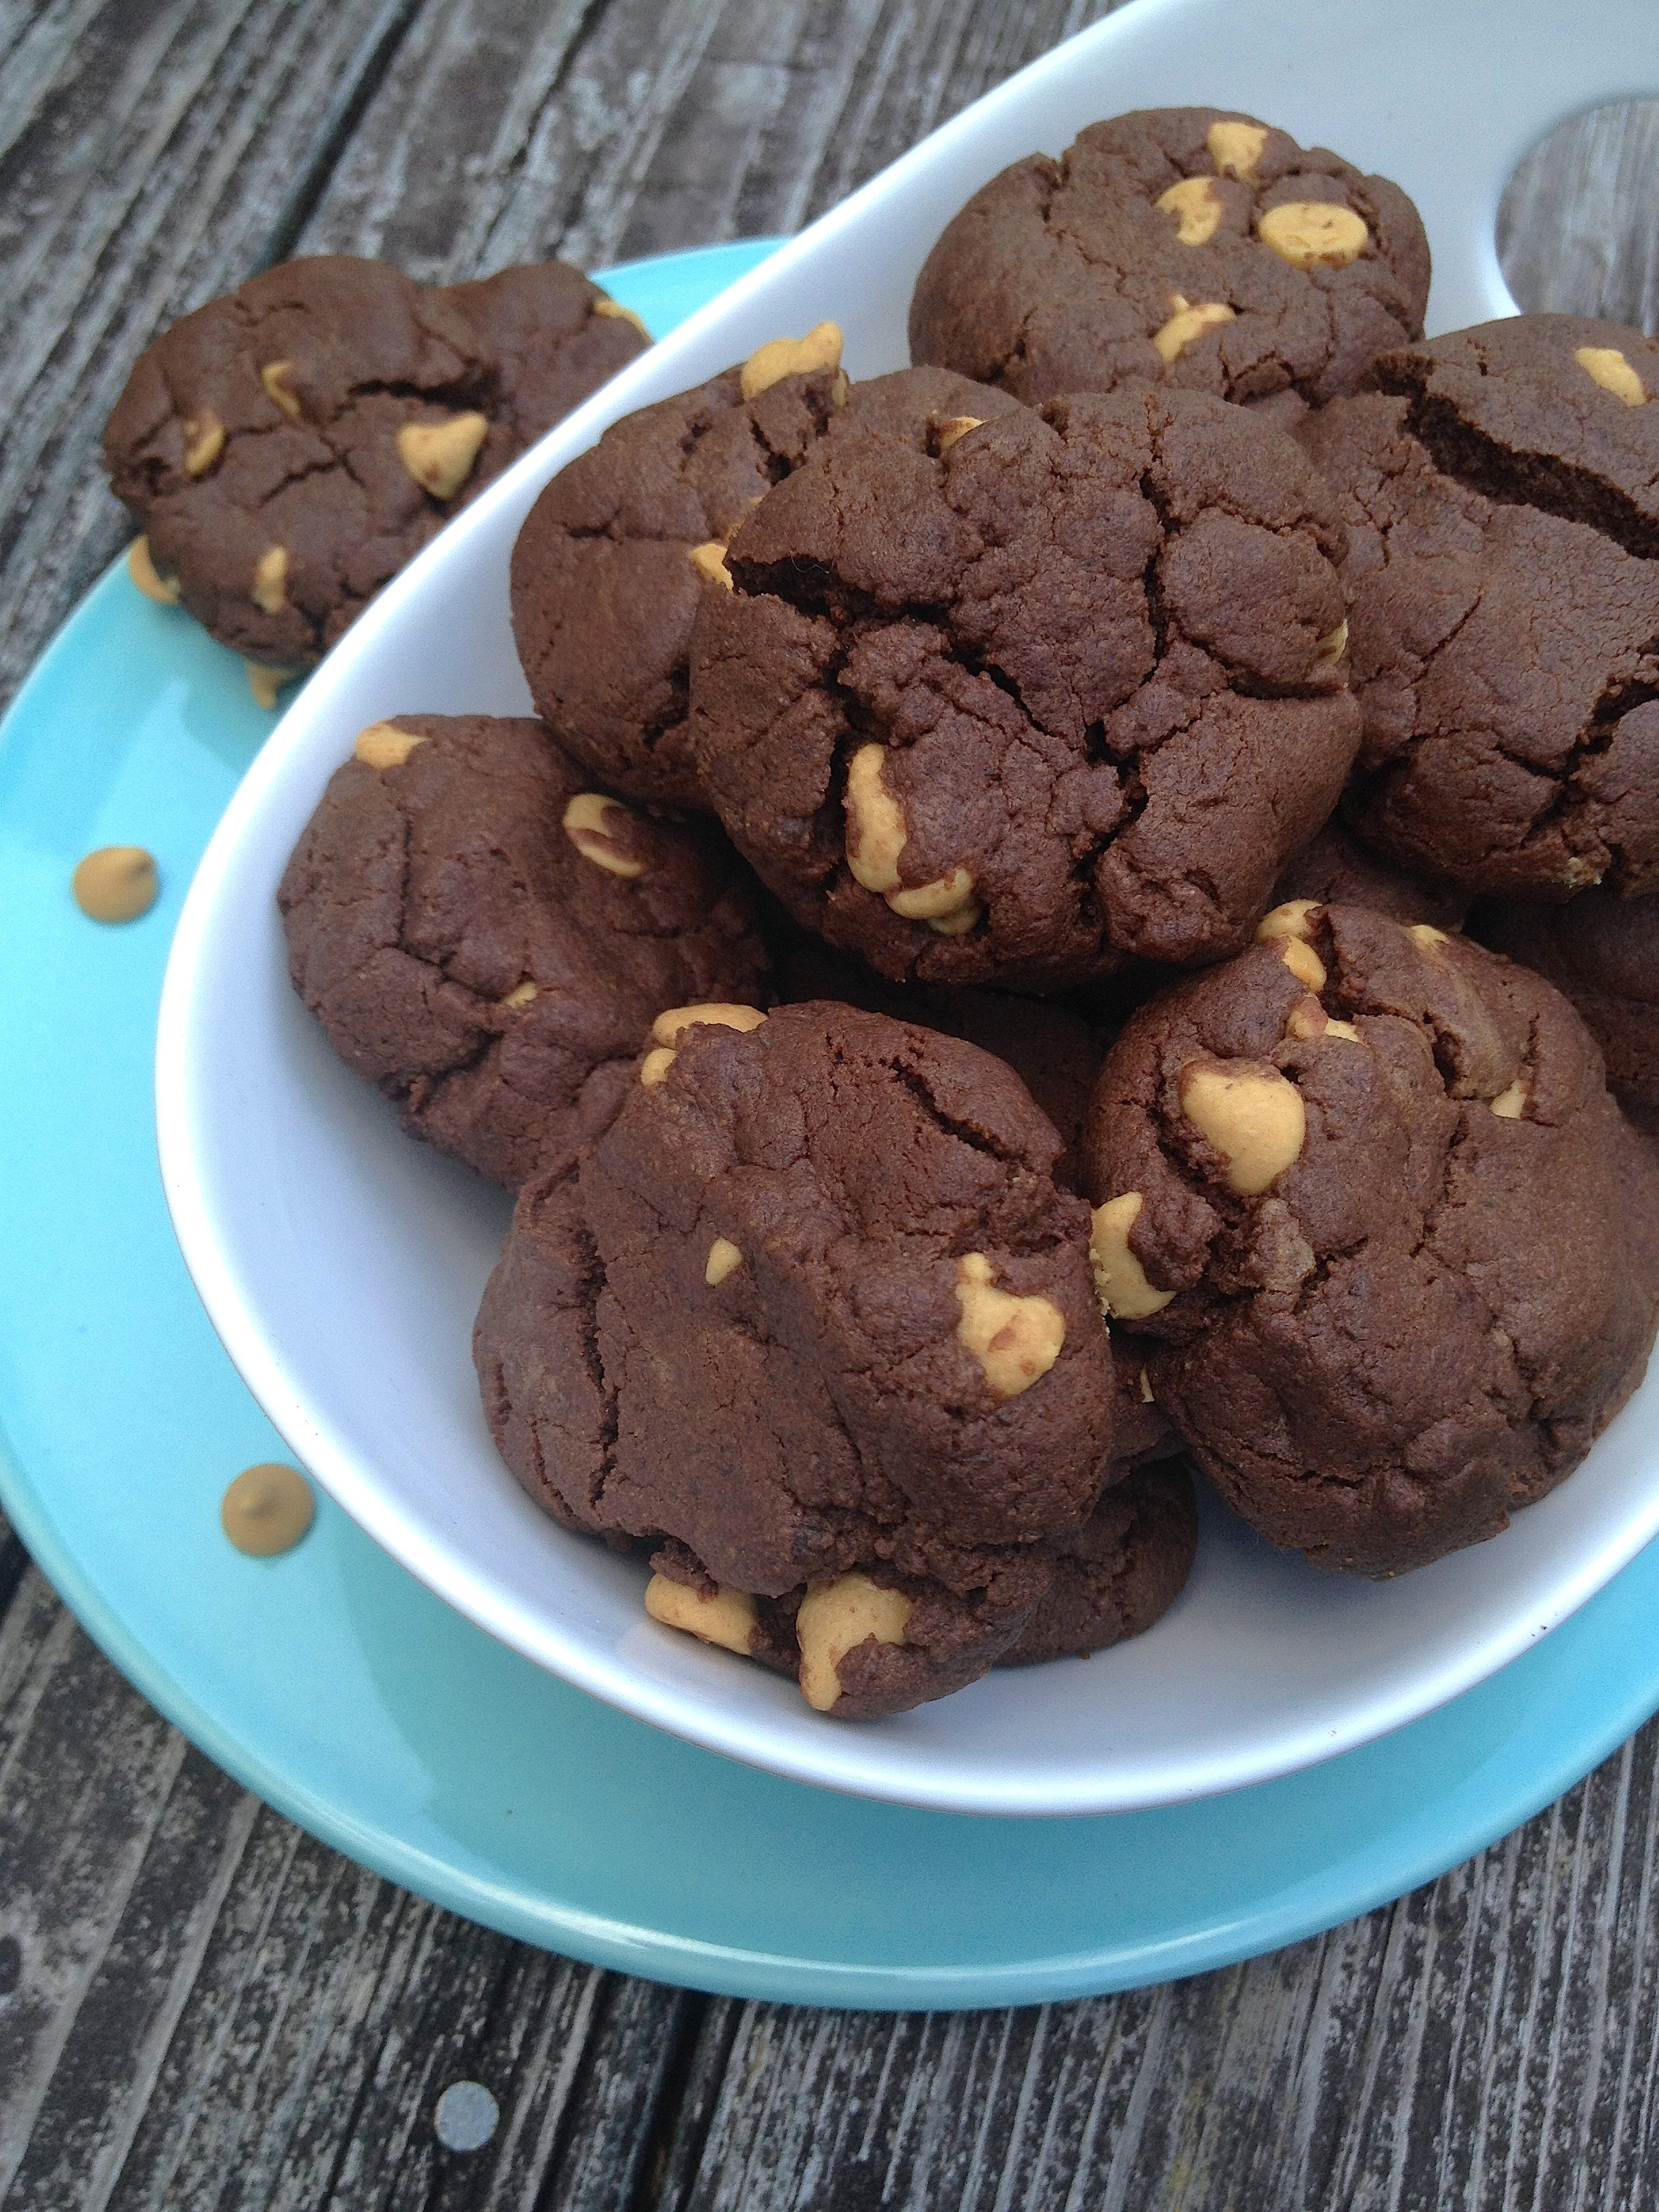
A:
1010	703
1335	869
488	939
622	545
288	448
814	1308
1500	500
1178	246
1054	1051
1389	1249
1122	1569
1603	952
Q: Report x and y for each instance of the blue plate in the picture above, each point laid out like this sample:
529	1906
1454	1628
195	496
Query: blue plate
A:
338	1688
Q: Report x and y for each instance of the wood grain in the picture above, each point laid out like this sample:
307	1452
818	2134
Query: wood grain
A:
201	2006
1578	227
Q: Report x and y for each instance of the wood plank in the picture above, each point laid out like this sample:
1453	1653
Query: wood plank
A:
211	2008
1578	227
1486	2043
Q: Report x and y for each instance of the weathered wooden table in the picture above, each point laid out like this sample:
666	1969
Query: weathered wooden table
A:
199	2005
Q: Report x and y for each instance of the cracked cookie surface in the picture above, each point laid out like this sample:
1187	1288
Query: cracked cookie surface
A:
813	1307
605	576
1503	638
1119	1573
288	448
488	940
1015	705
1390	1245
1147	254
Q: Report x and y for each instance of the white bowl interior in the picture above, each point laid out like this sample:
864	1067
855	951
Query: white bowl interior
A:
343	1266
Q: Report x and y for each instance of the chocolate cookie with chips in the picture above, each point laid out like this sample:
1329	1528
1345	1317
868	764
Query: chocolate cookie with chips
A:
814	1309
618	552
1501	494
288	448
1388	1249
1176	246
1012	700
486	938
1119	1572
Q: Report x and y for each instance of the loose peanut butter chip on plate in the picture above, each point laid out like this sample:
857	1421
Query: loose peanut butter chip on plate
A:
1187	323
780	357
1197	206
383	745
1120	1281
726	1618
1314	234
1607	366
204	441
1016	1341
723	1257
439	456
117	883
709	559
275	378
267	1509
1250	1113
270	580
1236	148
835	1617
164	590
614	310
593	822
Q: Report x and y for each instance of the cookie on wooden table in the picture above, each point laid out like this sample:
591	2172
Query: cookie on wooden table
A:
1388	1247
1176	246
814	1308
1502	499
622	545
1012	700
1603	952
486	938
288	448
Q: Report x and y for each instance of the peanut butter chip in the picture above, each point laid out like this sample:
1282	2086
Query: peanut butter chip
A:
1344	1030
270	580
723	1256
1187	323
1314	234
439	456
655	1066
1511	1104
1303	962
1331	647
1607	366
875	836
947	433
1120	1280
1425	937
274	376
780	357
835	1617
267	1509
521	994
164	590
709	559
615	311
592	821
1294	919
204	441
1146	1389
1016	1341
1236	148
1197	206
726	1618
1306	1020
667	1027
265	682
1250	1113
383	745
117	883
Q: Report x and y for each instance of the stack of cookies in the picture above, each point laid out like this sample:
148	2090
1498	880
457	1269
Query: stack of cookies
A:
966	971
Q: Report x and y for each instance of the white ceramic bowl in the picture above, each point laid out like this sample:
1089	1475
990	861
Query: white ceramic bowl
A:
342	1265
